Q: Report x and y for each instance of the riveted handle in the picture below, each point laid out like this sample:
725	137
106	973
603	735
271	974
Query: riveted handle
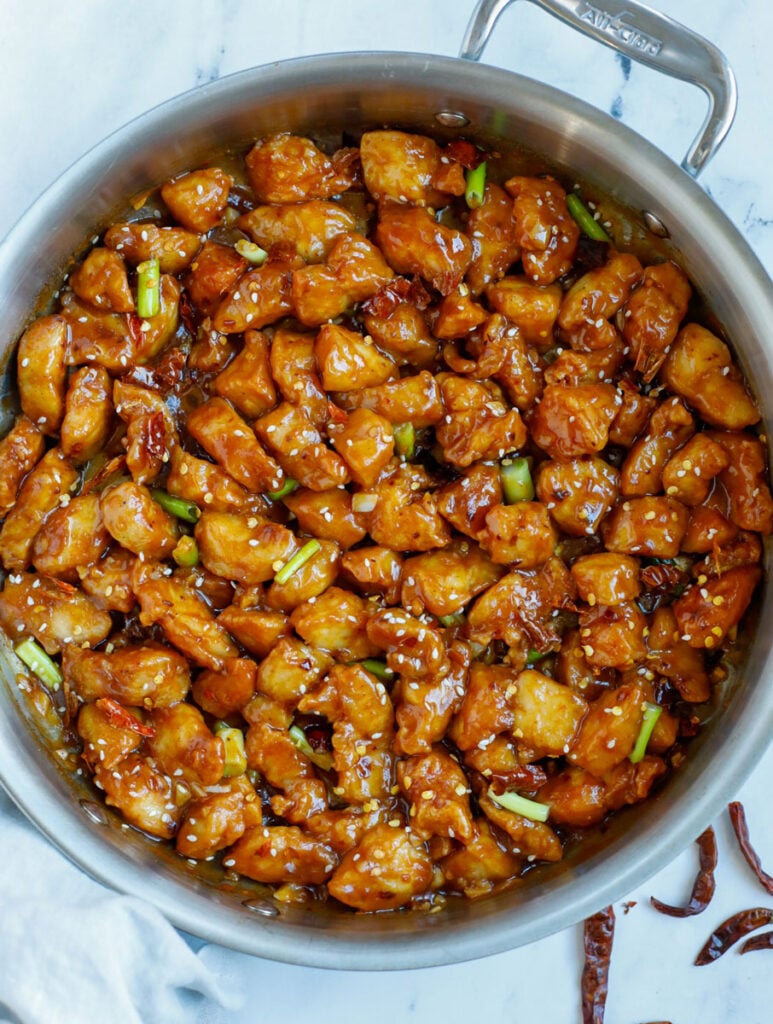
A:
645	36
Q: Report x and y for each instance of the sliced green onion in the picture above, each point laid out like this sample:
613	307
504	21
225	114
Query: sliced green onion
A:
535	656
651	715
454	619
377	668
148	288
520	805
517	484
36	659
287	488
584	219
476	186
235	754
186	552
321	758
405	440
251	252
299	559
179	507
488	655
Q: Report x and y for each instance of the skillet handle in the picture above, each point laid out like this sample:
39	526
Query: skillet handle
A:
646	36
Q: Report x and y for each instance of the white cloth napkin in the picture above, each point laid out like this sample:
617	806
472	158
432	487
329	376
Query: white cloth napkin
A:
73	952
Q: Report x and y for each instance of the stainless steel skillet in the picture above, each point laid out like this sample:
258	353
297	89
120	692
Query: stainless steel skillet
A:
424	93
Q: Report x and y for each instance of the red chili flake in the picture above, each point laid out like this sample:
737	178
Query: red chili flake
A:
464	153
599	932
704	885
764	941
122	718
731	931
628	907
738	819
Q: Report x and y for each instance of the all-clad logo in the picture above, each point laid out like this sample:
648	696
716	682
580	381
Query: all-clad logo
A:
620	27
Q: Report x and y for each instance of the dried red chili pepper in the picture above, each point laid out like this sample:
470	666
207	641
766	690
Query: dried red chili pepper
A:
122	718
731	931
135	330
464	153
154	437
391	294
662	576
738	819
598	935
521	777
764	941
704	885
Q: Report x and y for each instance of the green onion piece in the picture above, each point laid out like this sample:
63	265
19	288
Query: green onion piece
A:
454	619
377	668
321	758
186	552
488	655
35	658
287	488
235	754
517	484
299	559
651	715
251	252
585	219
148	289
476	186
520	805
535	656
179	507
405	440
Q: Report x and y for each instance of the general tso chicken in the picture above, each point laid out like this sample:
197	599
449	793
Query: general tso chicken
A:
374	523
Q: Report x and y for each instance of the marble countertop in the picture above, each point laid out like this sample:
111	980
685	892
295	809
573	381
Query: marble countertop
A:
72	72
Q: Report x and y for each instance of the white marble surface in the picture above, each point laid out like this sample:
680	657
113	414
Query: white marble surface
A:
72	72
